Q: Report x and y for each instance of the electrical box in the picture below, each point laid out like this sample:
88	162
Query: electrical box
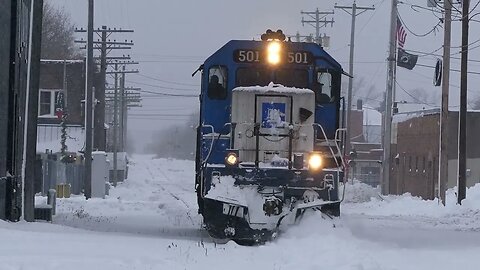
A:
99	174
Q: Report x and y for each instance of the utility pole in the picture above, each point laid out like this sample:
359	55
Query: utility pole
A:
89	104
31	110
116	113
99	136
462	123
443	160
387	133
115	130
105	46
354	8
319	20
122	111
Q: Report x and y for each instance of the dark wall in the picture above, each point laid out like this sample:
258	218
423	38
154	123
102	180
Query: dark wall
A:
473	134
415	156
356	133
5	17
14	48
51	77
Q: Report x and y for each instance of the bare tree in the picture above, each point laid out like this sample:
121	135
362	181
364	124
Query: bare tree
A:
367	93
422	96
176	142
475	104
58	34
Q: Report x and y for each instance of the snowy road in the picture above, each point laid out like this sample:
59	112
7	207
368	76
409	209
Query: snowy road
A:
150	222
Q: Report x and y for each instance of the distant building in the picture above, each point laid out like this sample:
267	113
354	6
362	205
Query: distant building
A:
67	79
366	144
415	151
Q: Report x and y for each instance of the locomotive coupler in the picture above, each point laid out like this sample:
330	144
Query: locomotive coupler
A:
273	206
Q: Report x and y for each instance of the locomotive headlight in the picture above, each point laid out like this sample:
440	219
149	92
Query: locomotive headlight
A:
314	161
273	52
231	158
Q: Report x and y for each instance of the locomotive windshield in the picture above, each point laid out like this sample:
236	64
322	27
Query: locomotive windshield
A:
253	77
262	77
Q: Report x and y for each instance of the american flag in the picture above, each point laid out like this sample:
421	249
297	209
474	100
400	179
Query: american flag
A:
401	34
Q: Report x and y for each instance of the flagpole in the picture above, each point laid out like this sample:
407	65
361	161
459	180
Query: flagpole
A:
390	90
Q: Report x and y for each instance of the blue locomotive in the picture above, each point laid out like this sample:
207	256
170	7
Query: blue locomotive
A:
269	142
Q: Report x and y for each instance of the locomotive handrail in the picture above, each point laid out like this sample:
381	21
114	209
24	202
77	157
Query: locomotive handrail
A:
211	144
213	133
329	147
337	132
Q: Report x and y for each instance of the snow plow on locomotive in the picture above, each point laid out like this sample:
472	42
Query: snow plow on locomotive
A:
269	143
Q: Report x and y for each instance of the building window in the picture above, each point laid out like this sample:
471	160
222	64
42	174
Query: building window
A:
424	165
47	102
416	164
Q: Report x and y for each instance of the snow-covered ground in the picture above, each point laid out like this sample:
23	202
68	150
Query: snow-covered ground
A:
150	222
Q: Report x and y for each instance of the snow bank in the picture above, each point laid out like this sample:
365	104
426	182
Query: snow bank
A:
359	192
150	222
460	217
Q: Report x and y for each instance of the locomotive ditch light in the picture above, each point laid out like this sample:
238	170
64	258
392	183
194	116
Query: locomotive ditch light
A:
274	49
315	161
231	158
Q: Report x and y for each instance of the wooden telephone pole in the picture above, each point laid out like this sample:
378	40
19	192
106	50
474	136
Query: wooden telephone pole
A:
355	11
462	123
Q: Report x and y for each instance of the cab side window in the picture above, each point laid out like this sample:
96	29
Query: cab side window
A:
217	82
323	91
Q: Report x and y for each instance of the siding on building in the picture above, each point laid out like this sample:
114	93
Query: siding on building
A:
415	153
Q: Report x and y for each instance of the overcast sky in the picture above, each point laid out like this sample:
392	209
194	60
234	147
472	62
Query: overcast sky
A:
172	38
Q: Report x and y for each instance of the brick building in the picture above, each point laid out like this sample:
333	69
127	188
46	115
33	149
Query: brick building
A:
415	151
366	141
52	75
55	75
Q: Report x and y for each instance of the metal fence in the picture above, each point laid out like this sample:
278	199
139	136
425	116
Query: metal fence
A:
369	179
55	172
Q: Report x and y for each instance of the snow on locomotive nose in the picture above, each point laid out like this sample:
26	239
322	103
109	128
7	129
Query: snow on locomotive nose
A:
279	111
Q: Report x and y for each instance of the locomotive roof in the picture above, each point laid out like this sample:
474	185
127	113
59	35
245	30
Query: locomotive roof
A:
224	53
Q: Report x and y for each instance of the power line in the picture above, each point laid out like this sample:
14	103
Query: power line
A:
434	29
379	3
171	61
161	114
164	87
165	81
455	70
438	55
413	97
167	94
